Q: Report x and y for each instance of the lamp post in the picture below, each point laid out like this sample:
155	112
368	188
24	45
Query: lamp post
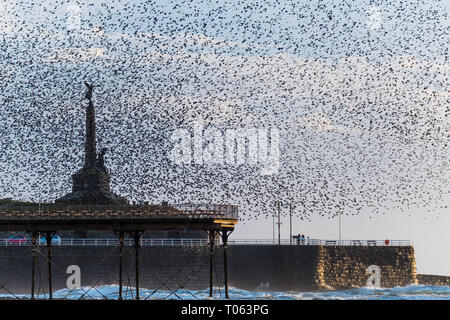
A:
273	228
279	223
340	227
290	223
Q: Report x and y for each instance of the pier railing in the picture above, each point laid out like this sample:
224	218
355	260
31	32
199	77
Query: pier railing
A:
321	242
204	242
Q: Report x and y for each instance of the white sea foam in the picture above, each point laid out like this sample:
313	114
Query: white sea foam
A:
411	292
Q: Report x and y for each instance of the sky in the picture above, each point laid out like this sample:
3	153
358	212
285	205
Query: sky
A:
357	89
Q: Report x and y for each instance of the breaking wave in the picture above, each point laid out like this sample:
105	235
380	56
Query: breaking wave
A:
411	292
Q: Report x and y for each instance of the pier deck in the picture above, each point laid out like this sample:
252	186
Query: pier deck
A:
118	217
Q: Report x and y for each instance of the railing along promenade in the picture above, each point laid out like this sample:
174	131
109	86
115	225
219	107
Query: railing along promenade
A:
204	242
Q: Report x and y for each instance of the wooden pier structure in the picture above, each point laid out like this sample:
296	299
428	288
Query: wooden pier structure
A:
124	220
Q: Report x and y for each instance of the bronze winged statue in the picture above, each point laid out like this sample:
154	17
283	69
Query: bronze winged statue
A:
89	92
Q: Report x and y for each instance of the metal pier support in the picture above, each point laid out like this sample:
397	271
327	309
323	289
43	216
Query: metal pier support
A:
121	237
211	261
137	239
48	237
35	249
225	233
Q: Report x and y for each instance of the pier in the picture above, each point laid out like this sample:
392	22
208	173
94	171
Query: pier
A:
123	220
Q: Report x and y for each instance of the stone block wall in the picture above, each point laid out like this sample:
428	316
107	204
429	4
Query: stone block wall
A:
346	267
303	267
433	280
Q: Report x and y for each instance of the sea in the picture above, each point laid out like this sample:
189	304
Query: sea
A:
411	292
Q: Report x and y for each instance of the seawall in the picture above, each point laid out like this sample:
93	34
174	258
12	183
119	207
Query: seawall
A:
345	267
434	280
250	267
319	267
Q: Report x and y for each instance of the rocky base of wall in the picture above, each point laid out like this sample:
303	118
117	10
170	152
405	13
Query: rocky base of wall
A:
428	279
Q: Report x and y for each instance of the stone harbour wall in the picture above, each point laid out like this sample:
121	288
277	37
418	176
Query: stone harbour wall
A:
346	267
250	267
302	268
433	280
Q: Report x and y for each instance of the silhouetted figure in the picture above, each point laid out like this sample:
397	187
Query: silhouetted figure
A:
101	158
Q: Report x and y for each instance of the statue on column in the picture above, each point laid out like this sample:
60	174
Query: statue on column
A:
89	92
90	184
